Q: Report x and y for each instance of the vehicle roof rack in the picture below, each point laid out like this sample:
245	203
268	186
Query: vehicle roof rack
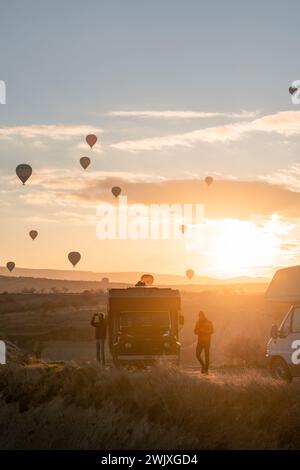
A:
147	291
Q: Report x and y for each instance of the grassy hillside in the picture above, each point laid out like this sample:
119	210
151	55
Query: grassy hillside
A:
58	407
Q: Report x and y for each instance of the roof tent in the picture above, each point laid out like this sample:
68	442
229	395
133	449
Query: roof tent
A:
285	286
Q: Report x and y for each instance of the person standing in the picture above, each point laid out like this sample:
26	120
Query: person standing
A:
203	329
99	323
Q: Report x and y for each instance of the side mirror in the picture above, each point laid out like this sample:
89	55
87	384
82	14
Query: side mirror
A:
181	320
274	332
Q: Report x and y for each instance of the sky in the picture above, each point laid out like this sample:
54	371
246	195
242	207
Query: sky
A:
174	91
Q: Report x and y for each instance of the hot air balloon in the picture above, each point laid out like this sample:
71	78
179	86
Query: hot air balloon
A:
10	265
74	257
208	180
292	90
91	140
24	172
148	279
189	273
85	162
182	228
116	191
33	234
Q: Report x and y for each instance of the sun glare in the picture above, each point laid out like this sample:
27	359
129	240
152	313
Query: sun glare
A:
241	248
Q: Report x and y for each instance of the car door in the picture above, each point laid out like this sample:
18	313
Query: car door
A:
281	345
294	342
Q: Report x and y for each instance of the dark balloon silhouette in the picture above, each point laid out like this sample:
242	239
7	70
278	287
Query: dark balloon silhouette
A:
189	274
24	172
33	234
91	140
182	228
116	191
74	257
208	180
85	162
10	266
292	90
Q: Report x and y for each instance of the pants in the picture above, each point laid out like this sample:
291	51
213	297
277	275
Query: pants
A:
206	346
100	351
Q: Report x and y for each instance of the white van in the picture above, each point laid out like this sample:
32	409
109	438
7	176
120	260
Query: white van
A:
283	350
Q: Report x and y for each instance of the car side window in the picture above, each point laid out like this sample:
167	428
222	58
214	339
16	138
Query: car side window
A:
286	326
296	320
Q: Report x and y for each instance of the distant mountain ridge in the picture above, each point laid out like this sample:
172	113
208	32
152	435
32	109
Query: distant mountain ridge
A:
125	277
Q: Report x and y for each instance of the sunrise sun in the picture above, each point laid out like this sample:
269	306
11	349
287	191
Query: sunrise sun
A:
241	248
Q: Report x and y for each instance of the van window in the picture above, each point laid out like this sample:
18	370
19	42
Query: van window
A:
296	320
138	319
285	325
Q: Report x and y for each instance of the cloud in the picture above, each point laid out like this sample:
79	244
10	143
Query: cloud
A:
55	179
287	177
97	149
188	139
44	198
289	247
55	132
51	187
286	123
180	114
224	199
72	217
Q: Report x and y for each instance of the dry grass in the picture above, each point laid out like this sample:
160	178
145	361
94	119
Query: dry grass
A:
70	407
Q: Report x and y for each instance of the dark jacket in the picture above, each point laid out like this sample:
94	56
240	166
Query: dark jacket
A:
100	328
204	330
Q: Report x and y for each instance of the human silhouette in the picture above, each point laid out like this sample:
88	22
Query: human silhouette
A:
99	323
203	329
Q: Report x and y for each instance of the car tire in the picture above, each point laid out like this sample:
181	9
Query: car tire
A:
280	370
